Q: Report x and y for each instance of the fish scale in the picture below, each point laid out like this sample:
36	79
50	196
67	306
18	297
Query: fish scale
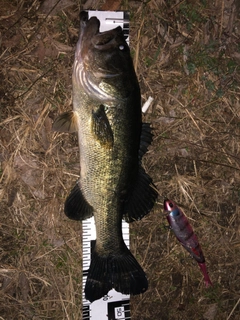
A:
112	140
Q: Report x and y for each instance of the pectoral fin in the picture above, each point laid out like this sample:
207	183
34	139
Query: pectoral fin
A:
141	199
76	206
101	128
66	122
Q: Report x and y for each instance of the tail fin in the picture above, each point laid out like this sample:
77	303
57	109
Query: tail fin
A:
121	272
207	280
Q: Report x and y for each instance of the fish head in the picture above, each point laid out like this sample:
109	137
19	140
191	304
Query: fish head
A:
170	207
103	62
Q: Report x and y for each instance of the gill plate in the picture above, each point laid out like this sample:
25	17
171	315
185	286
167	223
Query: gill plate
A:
90	87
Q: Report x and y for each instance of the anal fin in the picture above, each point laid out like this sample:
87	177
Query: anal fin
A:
76	206
141	199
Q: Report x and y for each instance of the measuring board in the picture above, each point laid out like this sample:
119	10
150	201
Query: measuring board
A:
115	305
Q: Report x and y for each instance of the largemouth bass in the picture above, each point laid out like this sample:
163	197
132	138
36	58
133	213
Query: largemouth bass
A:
112	140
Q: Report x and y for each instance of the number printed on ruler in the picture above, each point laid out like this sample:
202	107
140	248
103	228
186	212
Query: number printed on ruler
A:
119	313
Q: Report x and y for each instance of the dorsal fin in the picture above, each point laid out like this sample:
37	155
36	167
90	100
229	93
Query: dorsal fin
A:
141	197
145	139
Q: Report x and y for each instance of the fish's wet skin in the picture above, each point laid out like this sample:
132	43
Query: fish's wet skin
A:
112	140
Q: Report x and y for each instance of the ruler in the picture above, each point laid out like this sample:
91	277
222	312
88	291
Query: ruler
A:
114	305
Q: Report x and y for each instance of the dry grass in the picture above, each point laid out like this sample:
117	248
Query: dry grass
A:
187	58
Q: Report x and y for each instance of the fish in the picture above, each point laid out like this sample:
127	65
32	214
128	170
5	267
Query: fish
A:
112	185
186	236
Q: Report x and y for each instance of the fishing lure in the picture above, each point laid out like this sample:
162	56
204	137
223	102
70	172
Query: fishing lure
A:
185	235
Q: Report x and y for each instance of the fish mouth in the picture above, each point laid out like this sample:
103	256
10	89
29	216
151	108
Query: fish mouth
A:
90	36
167	205
88	29
88	71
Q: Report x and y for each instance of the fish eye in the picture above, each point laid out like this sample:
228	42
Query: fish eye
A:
170	204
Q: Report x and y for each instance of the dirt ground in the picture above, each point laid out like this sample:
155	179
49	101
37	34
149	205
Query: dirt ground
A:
187	56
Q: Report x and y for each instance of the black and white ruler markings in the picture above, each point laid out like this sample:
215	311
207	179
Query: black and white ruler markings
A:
115	305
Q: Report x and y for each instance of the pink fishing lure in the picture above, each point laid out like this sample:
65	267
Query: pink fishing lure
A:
185	235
